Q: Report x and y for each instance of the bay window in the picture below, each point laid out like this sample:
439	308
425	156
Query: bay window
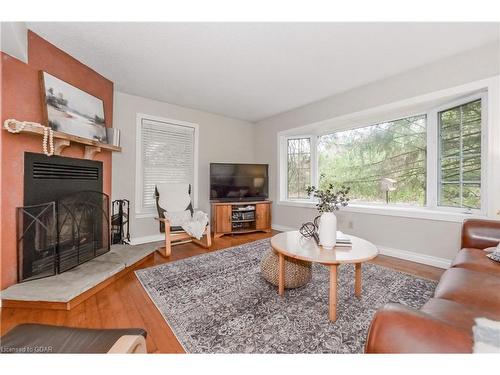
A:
431	159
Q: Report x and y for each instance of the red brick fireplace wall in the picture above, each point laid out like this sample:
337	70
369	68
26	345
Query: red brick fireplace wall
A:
21	100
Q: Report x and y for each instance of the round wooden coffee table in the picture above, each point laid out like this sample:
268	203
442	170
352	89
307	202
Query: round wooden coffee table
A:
294	245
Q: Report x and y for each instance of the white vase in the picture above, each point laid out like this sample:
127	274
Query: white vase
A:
327	230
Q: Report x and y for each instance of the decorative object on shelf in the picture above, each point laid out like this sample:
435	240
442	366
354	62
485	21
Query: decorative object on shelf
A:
113	136
310	230
73	111
387	185
246	208
239	215
55	142
329	200
120	221
14	126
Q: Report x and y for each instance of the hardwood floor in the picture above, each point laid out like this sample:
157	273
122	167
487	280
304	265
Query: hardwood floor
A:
125	304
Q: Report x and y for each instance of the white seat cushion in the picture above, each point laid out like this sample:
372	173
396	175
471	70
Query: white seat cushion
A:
174	197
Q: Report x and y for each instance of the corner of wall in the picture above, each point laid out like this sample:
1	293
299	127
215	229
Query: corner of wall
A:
14	40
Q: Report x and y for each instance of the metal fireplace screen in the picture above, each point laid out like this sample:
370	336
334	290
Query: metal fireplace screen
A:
57	236
36	225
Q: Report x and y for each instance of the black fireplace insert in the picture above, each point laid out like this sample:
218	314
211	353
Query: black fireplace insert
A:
65	220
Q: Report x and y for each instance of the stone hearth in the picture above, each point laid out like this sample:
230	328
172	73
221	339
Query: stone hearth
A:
64	287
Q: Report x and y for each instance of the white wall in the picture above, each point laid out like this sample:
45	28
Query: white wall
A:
14	39
430	241
221	139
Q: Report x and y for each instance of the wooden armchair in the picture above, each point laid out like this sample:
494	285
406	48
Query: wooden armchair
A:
176	198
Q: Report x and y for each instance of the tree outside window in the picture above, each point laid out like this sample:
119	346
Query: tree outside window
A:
460	156
366	157
299	167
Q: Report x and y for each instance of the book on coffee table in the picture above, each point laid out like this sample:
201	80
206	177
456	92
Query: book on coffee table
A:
343	239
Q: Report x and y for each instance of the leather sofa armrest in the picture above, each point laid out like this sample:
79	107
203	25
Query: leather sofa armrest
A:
399	329
480	234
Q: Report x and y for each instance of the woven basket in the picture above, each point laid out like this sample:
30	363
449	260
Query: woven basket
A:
297	272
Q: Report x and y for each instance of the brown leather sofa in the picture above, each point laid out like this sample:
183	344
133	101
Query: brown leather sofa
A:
469	289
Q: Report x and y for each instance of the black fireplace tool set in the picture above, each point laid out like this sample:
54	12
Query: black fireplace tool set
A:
120	223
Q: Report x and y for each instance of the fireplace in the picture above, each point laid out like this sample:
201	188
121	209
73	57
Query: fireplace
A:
65	218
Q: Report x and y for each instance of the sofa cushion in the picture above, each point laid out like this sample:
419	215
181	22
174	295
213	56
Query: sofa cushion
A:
479	290
400	329
456	314
476	260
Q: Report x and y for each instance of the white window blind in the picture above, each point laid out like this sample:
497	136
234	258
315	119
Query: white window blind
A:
167	156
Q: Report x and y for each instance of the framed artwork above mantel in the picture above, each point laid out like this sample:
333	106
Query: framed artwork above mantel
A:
68	109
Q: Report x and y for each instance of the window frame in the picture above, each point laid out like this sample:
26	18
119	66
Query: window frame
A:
284	165
432	159
140	210
433	164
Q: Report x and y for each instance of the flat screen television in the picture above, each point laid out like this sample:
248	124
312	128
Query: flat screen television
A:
238	182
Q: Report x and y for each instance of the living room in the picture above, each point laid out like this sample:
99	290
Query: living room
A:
250	187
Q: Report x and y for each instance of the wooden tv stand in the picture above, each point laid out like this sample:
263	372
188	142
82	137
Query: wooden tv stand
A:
240	217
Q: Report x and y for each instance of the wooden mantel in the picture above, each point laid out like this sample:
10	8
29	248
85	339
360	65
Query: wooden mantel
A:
63	140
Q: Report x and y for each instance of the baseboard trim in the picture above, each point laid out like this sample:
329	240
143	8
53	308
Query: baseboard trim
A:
415	257
147	239
396	253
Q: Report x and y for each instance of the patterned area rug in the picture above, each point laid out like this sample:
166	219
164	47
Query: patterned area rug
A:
219	303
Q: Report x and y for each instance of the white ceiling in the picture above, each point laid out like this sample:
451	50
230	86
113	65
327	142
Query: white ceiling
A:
255	70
